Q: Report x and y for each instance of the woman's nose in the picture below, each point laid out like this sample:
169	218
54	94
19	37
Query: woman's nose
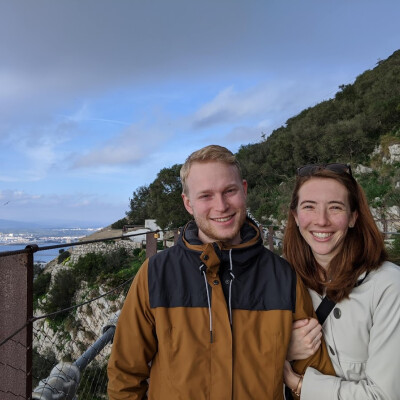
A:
322	217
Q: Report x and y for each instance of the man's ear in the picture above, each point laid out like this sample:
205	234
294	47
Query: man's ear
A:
186	203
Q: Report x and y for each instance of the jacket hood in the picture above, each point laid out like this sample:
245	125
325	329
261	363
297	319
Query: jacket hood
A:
215	253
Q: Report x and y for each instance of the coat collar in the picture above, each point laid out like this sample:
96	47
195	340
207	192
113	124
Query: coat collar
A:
215	253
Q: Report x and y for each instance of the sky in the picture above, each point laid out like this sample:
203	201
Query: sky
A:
96	96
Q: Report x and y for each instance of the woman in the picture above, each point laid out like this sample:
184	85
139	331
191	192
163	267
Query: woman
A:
335	246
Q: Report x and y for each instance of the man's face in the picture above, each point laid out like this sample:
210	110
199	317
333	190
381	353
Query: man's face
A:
216	197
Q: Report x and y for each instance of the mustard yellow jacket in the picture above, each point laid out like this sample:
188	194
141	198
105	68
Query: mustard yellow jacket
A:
206	322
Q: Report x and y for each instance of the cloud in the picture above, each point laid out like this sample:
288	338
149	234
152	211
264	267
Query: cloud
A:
74	49
256	103
34	150
80	83
227	106
86	208
134	145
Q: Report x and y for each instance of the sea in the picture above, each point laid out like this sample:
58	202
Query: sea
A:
11	240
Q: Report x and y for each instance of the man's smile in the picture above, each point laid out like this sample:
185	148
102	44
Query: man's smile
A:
223	219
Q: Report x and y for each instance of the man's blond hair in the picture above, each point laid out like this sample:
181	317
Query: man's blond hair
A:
212	152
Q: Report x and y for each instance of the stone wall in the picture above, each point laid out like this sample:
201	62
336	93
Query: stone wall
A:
102	247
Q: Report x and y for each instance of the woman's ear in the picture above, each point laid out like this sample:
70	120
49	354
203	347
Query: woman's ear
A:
353	219
294	213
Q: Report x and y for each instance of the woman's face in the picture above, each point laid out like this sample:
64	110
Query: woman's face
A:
323	216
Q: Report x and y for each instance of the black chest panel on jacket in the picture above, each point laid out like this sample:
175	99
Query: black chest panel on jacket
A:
175	280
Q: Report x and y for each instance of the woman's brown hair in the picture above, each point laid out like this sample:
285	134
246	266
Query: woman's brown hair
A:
363	248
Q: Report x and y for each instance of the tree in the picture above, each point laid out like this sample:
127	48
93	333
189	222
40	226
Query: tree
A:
120	223
139	206
165	203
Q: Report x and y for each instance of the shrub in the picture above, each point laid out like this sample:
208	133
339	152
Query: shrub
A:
122	276
37	270
40	286
136	252
89	266
94	266
62	291
63	256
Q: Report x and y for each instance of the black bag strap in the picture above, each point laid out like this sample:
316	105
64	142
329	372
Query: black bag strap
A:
327	305
324	309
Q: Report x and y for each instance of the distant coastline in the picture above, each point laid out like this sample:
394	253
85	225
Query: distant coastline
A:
11	240
42	257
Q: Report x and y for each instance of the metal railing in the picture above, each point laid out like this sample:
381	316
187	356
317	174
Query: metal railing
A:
27	341
64	378
36	354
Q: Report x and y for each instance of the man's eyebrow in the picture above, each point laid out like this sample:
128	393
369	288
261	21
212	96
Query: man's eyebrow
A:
232	186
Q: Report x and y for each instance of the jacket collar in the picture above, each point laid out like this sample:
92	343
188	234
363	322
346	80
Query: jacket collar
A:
213	254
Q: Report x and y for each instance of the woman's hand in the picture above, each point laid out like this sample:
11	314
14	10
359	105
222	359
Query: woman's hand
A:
305	340
290	378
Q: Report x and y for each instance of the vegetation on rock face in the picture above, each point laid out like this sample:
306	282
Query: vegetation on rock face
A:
63	256
41	285
62	290
344	129
111	269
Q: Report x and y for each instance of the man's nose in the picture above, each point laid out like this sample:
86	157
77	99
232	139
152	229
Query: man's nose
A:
220	203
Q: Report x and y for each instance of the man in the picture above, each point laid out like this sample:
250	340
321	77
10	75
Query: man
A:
210	318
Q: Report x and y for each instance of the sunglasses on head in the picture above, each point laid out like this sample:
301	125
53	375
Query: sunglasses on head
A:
310	169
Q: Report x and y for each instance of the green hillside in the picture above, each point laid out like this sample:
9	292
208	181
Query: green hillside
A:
347	128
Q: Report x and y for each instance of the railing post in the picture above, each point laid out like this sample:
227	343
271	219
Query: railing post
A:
151	244
16	282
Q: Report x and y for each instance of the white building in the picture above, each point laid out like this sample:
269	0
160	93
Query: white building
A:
140	233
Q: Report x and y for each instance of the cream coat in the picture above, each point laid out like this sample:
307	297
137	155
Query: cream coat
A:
363	338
